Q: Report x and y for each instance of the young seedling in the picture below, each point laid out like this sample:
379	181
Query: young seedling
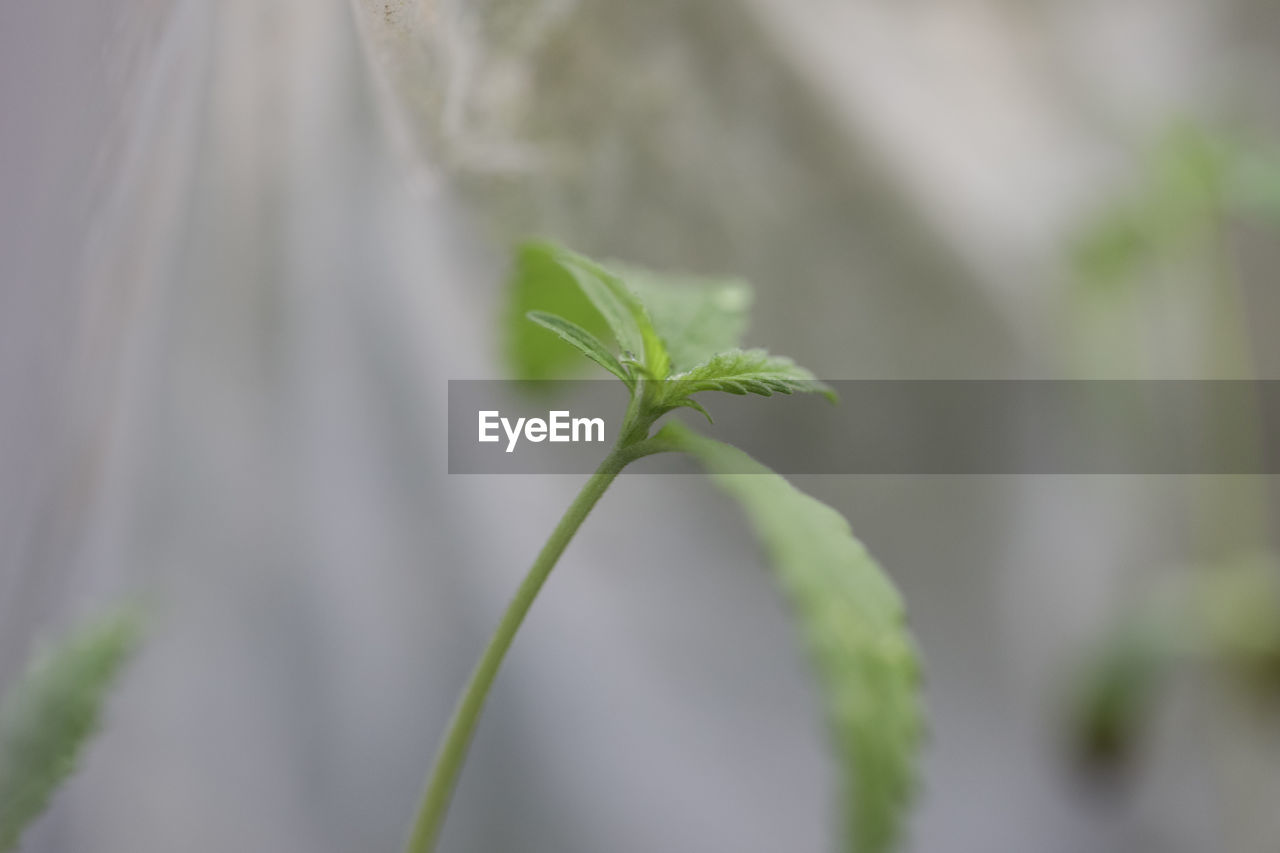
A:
676	340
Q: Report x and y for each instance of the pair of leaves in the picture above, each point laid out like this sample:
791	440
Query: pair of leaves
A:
681	337
50	715
695	318
543	271
681	333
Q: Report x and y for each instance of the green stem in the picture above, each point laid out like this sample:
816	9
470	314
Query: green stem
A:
457	739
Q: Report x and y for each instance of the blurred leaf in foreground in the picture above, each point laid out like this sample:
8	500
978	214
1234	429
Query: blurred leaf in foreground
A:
539	282
49	715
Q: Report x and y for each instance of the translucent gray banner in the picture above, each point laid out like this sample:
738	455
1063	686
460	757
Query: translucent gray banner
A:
968	427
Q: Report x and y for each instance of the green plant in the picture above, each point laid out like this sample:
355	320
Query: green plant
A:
677	339
1167	243
50	715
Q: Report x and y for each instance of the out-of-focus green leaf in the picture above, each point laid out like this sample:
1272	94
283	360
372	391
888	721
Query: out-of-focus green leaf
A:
1189	169
1233	612
1224	616
695	317
1114	694
540	283
50	714
851	618
1114	248
1190	178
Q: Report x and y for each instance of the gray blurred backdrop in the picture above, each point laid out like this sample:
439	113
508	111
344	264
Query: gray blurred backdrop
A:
244	244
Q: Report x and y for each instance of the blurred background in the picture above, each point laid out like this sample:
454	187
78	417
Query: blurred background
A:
244	244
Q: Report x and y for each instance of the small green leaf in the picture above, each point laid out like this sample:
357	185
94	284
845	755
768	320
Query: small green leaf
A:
621	310
752	371
690	403
852	621
696	318
585	342
50	714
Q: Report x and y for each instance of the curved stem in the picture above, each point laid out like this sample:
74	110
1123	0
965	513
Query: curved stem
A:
457	739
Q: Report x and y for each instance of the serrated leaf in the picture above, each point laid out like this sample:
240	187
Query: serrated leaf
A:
621	309
696	318
50	714
851	619
752	371
585	342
